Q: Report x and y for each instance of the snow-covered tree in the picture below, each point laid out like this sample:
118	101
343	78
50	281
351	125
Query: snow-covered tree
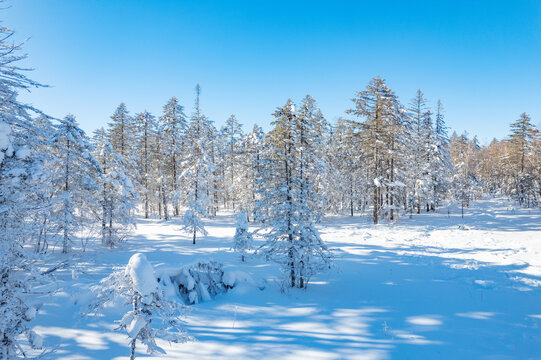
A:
377	104
138	286
311	129
345	178
76	180
23	195
250	169
199	178
174	126
192	223
243	238
464	184
145	125
520	145
286	206
120	131
231	133
442	168
118	197
419	179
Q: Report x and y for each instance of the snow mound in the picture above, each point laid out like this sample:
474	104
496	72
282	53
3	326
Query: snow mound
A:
201	281
141	274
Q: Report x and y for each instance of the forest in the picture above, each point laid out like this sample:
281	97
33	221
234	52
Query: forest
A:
65	192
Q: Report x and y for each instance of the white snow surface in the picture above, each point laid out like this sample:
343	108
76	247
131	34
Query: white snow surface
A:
421	288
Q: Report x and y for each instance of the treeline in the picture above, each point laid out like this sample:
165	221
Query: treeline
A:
386	160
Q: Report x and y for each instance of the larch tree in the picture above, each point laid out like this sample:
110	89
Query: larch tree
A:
118	197
441	165
120	131
174	126
145	125
419	134
198	175
345	178
521	141
249	170
24	189
77	179
376	105
287	201
243	239
231	133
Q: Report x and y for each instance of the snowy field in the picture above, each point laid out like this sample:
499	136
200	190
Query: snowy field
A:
421	289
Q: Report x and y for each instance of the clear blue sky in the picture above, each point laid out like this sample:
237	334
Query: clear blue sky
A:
481	58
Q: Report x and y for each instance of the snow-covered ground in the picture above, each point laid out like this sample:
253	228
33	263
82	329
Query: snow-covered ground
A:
424	288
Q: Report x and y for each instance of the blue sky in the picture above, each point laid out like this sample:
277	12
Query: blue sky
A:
481	58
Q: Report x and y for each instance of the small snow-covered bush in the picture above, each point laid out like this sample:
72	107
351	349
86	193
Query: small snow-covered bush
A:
192	224
138	287
201	281
243	238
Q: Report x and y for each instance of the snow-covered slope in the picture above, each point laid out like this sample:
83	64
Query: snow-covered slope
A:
431	287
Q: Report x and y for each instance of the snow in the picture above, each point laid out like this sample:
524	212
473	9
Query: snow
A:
417	289
30	313
134	324
5	141
23	153
142	276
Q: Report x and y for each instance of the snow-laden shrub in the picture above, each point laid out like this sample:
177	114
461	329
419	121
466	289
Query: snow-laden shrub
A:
243	238
201	281
137	286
